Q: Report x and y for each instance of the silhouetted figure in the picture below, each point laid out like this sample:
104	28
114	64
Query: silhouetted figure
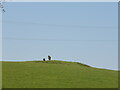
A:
49	57
43	59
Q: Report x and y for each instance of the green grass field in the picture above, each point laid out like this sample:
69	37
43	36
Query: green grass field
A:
56	74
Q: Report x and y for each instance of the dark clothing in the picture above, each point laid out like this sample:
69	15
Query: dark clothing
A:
43	59
49	57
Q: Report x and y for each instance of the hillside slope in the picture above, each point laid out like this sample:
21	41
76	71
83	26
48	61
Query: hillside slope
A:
56	74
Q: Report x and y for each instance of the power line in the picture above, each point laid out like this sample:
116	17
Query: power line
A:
56	40
55	25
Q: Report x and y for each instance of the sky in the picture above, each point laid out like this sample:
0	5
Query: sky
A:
85	32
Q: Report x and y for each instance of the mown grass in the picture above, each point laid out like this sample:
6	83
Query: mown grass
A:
56	74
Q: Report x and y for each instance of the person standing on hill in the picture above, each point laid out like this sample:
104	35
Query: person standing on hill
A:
49	57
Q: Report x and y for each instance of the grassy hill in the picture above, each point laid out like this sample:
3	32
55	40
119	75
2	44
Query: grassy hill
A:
56	74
